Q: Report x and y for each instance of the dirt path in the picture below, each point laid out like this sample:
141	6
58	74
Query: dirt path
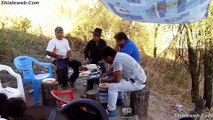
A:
159	108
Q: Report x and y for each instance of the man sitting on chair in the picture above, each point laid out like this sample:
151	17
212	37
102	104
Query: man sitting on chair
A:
59	49
128	75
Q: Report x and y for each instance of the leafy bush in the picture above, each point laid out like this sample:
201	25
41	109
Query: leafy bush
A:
21	24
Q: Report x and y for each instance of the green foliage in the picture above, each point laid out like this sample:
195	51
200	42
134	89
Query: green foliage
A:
21	24
98	16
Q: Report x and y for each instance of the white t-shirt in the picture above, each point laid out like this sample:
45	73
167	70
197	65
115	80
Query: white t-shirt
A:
130	68
61	47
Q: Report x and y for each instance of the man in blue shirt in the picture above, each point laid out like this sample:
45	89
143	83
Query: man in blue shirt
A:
125	45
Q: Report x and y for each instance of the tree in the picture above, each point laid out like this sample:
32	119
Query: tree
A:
188	51
208	59
194	66
155	37
208	72
21	24
98	16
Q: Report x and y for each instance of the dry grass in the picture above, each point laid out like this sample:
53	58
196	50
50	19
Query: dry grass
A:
16	43
168	79
171	81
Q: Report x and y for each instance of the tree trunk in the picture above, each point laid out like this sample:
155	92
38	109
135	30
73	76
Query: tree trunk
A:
193	65
47	98
208	73
139	101
155	37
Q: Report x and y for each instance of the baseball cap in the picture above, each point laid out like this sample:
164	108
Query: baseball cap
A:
58	29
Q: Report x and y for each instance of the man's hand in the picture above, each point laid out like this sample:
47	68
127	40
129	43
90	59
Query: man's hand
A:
106	79
117	48
115	79
59	57
104	75
102	61
70	58
86	61
110	69
69	55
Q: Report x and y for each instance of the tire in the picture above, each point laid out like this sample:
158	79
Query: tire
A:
74	111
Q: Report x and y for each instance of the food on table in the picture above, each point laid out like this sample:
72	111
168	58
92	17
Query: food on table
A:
104	85
85	73
82	68
91	66
49	80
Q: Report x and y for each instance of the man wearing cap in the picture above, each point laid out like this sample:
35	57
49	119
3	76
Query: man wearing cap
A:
92	53
92	50
59	49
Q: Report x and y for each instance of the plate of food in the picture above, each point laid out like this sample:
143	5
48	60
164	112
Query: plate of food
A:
91	66
49	80
82	69
85	73
104	85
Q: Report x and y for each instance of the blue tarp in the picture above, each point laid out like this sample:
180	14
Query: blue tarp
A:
160	11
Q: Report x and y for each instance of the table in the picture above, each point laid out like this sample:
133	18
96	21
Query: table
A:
91	79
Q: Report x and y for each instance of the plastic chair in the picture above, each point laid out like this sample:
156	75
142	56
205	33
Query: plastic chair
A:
13	92
25	65
60	101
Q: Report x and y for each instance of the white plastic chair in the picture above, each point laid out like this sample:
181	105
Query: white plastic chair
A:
12	92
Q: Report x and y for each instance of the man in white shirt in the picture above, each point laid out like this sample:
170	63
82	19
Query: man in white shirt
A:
59	49
128	75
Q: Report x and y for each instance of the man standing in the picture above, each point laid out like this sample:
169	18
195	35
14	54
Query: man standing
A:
59	49
92	51
124	44
128	75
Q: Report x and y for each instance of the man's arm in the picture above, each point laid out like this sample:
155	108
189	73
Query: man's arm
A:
69	54
86	51
104	43
50	50
54	55
68	50
116	77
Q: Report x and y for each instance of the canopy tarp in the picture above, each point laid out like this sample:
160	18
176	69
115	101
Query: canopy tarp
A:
160	11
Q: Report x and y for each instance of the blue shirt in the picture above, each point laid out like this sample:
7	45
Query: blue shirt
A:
131	49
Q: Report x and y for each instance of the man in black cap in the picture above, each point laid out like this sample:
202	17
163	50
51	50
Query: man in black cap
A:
93	52
59	49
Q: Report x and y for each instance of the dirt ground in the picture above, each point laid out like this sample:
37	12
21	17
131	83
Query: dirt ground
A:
159	108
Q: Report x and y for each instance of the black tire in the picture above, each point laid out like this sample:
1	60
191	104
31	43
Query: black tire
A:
73	110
